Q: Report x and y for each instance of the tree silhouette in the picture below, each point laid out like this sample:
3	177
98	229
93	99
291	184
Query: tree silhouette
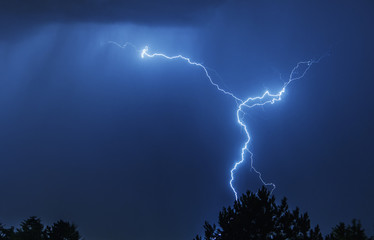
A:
343	232
257	216
253	217
62	231
33	229
6	233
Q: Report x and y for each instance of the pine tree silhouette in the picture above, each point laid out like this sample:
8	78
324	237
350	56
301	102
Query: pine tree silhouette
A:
258	217
33	229
343	232
62	231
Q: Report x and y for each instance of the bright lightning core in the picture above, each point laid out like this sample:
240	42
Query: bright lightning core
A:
297	73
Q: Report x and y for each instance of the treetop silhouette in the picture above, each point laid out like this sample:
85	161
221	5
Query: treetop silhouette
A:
257	216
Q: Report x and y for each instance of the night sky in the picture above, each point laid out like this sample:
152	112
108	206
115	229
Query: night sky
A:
132	148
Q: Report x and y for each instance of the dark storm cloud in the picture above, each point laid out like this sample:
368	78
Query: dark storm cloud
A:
150	12
20	16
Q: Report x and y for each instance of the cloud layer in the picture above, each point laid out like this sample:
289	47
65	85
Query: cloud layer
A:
142	11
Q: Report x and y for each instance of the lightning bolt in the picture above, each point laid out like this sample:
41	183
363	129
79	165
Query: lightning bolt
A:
297	73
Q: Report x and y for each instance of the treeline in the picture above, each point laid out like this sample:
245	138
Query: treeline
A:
33	229
254	216
259	217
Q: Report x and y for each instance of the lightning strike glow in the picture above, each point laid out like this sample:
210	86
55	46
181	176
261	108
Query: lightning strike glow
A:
145	53
297	73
